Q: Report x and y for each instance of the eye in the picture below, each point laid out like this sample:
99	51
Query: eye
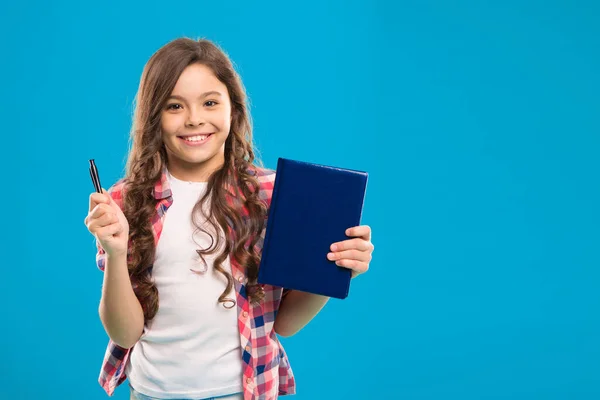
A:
172	106
211	103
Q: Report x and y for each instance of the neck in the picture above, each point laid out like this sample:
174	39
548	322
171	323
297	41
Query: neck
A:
192	172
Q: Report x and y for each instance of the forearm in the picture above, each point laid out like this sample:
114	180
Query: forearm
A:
120	311
296	310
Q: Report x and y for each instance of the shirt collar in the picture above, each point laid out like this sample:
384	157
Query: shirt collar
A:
162	188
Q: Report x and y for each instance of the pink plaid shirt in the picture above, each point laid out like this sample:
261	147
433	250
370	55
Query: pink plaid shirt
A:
266	370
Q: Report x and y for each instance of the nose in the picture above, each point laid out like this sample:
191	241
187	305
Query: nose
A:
195	118
193	122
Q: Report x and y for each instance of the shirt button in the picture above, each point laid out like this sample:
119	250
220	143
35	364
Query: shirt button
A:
248	349
245	314
241	278
248	380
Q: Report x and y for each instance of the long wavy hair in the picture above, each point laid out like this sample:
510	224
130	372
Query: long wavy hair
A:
147	157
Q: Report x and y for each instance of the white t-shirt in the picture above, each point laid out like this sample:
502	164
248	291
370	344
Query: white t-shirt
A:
191	349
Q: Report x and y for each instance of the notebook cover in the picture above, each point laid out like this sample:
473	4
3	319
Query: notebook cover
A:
311	208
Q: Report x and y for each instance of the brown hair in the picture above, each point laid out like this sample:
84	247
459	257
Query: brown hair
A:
148	156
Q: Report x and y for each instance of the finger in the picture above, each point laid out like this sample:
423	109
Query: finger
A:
109	231
354	265
97	198
100	210
96	213
107	219
364	256
358	244
111	201
109	198
363	231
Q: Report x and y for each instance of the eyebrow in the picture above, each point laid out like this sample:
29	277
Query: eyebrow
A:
210	93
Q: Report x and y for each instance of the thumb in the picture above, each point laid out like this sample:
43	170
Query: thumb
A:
111	201
108	196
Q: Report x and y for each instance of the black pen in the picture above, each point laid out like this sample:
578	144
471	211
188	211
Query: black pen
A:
95	176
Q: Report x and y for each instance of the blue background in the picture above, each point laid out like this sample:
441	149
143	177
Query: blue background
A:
478	124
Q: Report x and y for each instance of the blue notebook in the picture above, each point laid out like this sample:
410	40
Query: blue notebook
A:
311	208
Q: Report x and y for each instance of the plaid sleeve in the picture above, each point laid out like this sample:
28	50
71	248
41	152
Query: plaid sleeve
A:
100	256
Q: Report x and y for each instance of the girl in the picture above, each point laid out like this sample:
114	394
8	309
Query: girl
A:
186	225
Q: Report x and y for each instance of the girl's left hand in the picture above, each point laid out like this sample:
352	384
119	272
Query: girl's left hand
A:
354	254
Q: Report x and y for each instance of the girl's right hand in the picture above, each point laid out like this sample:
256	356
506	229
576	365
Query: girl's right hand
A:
108	224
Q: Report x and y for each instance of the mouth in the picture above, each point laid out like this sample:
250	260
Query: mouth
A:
195	139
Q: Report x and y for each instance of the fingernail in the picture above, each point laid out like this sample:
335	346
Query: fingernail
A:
331	256
334	247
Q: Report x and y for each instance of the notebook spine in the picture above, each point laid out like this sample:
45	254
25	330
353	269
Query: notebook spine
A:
271	214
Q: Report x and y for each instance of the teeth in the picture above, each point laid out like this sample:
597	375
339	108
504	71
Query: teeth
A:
196	138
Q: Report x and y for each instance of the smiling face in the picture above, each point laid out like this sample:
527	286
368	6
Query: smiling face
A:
195	124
